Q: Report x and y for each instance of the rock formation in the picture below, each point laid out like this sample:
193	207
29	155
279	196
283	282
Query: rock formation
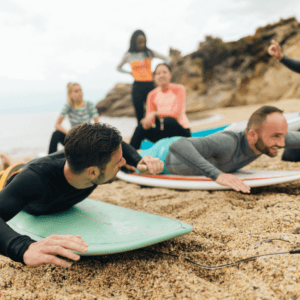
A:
223	74
117	102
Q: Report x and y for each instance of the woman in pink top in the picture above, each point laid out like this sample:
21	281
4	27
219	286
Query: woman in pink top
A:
165	116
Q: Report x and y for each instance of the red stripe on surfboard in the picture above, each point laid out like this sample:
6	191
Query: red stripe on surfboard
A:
199	179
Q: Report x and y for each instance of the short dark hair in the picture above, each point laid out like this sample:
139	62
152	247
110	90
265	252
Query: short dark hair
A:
89	145
260	115
132	45
162	64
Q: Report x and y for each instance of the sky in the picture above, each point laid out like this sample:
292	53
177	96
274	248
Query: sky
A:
46	44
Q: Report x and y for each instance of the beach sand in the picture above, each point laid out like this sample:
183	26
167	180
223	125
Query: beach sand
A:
228	226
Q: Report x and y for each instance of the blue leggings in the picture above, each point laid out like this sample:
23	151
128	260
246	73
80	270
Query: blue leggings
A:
160	150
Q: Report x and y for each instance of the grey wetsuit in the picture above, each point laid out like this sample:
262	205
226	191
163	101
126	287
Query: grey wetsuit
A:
222	152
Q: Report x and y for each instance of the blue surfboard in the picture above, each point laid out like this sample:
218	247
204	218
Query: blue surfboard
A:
146	144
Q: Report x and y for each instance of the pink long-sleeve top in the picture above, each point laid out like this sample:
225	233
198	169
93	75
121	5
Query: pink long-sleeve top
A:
169	103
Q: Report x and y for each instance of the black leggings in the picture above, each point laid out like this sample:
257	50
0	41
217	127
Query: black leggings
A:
140	91
171	128
57	137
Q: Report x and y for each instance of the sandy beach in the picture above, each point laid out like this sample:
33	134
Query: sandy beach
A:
228	226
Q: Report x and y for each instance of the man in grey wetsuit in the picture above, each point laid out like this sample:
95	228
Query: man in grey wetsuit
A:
221	153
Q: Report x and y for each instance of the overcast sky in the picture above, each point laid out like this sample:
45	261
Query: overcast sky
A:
46	44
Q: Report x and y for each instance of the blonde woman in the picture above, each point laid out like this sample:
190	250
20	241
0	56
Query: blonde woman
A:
77	110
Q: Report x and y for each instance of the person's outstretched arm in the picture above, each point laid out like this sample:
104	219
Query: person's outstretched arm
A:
149	164
26	187
292	64
192	152
275	51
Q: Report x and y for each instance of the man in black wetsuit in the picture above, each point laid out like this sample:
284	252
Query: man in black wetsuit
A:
92	156
294	65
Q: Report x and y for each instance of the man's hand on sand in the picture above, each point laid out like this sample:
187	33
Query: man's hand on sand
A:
275	50
151	165
234	182
45	250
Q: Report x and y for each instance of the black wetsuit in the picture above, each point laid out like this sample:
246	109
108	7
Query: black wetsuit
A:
294	65
41	188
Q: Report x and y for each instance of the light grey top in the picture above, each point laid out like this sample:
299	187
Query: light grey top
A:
138	56
222	152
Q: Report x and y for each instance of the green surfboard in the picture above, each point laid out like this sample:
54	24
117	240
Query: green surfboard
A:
105	227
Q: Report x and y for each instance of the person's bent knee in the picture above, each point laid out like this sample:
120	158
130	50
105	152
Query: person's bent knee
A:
292	155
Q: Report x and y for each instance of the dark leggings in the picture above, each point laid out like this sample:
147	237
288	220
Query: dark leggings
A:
291	154
139	95
57	137
171	128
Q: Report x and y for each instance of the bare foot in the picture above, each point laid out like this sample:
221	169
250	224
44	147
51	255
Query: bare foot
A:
6	161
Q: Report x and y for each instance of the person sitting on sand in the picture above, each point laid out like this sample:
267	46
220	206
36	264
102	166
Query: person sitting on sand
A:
77	110
139	56
221	153
165	116
92	156
294	65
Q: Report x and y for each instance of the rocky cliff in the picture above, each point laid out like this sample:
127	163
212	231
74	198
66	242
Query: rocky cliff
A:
223	74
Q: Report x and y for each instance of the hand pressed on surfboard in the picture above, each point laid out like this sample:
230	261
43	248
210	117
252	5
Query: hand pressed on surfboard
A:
234	182
45	250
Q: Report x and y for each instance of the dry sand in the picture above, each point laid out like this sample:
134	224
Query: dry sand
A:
227	225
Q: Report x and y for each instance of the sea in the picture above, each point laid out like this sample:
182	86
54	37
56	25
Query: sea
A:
30	133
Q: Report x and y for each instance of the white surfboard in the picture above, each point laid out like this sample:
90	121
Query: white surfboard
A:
253	178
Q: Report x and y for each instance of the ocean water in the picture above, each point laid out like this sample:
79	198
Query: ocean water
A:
27	134
30	133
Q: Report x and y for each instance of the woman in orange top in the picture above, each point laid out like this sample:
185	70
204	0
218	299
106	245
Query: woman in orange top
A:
139	56
165	116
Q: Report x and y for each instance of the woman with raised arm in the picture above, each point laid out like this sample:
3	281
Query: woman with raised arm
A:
139	56
77	110
165	116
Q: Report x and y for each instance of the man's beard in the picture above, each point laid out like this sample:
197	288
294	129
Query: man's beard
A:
100	179
260	146
111	180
